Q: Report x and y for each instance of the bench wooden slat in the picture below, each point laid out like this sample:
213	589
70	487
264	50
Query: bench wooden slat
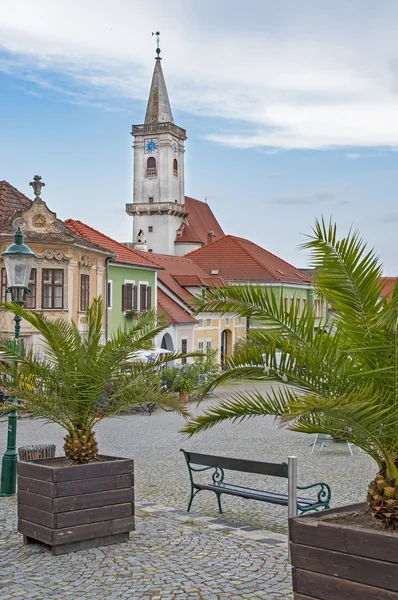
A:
238	464
205	462
235	490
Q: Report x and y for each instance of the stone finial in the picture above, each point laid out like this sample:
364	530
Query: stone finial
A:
37	184
141	243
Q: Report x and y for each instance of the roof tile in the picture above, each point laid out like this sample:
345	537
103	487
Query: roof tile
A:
238	259
122	253
199	223
174	312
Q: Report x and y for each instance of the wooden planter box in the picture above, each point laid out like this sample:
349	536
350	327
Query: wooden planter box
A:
75	507
336	561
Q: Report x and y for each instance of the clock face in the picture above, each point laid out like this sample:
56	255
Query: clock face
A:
174	147
151	145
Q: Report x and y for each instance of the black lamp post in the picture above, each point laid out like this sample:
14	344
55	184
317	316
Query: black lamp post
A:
18	261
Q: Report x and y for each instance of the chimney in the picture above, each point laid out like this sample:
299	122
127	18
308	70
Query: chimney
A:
211	236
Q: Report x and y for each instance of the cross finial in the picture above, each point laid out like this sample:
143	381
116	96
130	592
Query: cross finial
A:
157	33
37	184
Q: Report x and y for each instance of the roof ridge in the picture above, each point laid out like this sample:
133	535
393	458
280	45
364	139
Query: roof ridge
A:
271	253
15	189
237	240
210	244
131	250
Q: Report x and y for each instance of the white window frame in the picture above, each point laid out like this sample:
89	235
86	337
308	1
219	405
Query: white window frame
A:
109	297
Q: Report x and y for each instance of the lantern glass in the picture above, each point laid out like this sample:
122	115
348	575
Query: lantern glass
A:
18	268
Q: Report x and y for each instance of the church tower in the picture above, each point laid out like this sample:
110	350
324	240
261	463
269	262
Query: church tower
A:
158	206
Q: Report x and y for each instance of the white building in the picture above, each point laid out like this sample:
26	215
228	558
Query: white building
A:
170	222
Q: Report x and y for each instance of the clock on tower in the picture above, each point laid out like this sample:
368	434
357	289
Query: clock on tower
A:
151	145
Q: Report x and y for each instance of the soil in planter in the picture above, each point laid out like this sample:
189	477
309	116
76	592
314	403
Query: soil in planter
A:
361	519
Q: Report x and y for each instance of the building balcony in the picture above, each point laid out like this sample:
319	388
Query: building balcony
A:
151	208
159	128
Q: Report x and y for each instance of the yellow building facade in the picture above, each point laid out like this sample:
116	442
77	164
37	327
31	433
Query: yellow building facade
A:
67	274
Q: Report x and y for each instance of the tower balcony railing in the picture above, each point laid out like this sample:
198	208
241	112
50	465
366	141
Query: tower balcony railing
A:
151	172
159	128
171	208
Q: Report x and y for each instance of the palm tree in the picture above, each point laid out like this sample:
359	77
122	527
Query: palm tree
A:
81	380
338	378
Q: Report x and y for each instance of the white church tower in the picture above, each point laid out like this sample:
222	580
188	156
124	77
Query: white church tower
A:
158	205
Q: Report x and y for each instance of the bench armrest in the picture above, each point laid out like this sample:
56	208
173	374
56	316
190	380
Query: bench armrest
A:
324	495
217	475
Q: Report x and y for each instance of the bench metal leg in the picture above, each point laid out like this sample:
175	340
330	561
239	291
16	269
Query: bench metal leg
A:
193	494
219	503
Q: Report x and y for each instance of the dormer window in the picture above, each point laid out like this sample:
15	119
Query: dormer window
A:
175	168
151	170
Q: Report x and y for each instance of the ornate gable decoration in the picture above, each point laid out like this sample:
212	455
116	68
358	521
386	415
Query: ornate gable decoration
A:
85	262
38	218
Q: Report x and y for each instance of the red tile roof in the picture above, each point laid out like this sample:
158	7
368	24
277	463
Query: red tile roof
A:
237	259
12	201
179	268
174	312
387	284
121	252
198	224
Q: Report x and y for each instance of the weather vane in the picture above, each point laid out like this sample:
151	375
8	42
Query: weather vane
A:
157	33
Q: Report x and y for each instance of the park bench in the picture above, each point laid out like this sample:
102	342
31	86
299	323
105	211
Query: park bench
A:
218	485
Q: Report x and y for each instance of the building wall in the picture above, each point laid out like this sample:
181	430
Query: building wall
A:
161	239
303	295
119	274
73	261
183	249
210	327
164	187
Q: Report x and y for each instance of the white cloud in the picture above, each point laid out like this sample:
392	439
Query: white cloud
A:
283	75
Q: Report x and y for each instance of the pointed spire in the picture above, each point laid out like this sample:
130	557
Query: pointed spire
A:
158	109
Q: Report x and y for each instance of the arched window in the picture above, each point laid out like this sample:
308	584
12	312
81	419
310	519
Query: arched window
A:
151	170
175	168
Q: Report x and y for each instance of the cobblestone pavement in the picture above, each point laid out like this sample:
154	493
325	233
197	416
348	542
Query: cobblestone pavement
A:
169	556
173	554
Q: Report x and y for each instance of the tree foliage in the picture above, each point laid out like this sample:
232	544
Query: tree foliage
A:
338	376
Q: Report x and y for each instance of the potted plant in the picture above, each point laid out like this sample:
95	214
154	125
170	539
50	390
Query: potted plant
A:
132	314
184	383
83	499
342	376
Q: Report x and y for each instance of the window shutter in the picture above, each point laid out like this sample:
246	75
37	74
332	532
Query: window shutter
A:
134	292
124	297
127	296
148	297
142	297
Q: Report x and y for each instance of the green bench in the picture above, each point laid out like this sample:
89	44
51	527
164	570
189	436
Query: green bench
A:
218	485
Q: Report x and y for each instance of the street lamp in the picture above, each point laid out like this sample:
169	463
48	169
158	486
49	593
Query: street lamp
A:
18	261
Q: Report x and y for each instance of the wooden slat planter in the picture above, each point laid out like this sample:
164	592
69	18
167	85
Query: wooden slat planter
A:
75	507
332	561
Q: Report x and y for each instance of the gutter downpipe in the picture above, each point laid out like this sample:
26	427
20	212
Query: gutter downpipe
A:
107	261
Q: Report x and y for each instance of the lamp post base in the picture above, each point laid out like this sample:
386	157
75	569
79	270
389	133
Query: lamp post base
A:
10	459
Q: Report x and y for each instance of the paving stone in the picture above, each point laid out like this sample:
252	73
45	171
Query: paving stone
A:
241	555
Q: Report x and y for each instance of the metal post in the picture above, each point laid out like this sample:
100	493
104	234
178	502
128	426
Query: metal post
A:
10	458
291	490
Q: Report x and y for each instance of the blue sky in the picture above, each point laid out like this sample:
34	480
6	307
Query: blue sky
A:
291	110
